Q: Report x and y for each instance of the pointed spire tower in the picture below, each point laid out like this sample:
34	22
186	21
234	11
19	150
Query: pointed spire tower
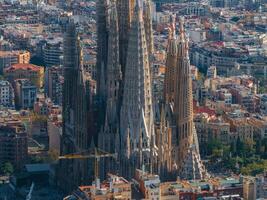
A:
170	62
187	159
102	46
75	118
113	68
137	120
114	76
125	16
148	26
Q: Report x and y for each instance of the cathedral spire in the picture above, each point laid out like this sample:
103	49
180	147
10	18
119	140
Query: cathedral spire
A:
75	111
102	45
125	15
148	26
188	158
137	109
170	63
113	68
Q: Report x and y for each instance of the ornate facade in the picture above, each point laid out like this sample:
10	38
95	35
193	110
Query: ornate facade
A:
137	121
170	63
76	107
109	133
120	16
147	15
177	125
102	48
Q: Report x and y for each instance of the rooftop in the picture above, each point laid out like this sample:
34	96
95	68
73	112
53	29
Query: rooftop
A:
28	67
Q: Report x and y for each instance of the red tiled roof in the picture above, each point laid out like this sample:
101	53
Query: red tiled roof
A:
29	67
205	110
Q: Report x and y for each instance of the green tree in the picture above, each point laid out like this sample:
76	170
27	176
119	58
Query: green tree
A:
239	147
249	147
212	145
7	169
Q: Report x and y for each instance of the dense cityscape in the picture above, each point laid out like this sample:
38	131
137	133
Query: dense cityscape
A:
133	99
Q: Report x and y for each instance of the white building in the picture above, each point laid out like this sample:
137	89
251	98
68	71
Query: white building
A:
197	35
212	72
25	93
263	104
6	94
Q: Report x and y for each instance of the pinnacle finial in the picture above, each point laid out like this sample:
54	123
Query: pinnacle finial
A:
137	10
181	27
172	31
137	6
137	3
113	9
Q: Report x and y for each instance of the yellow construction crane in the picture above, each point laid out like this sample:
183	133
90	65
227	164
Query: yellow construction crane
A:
95	153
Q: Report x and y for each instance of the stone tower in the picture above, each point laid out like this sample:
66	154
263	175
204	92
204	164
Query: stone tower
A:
102	47
177	126
75	119
187	156
109	134
148	26
114	75
137	121
125	16
170	63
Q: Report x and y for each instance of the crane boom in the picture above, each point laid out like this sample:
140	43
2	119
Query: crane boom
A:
91	153
77	156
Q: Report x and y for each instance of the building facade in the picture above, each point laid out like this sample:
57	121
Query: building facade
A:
177	127
137	119
54	84
76	135
25	94
14	143
52	53
6	95
26	71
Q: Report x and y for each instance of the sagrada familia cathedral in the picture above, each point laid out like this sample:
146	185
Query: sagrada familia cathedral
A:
125	88
124	122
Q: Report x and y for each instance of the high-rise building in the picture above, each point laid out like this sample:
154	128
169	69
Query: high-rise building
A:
184	153
52	52
76	136
136	119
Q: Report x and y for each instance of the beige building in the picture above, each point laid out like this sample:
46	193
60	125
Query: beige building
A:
259	127
240	127
114	187
149	184
26	71
249	188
